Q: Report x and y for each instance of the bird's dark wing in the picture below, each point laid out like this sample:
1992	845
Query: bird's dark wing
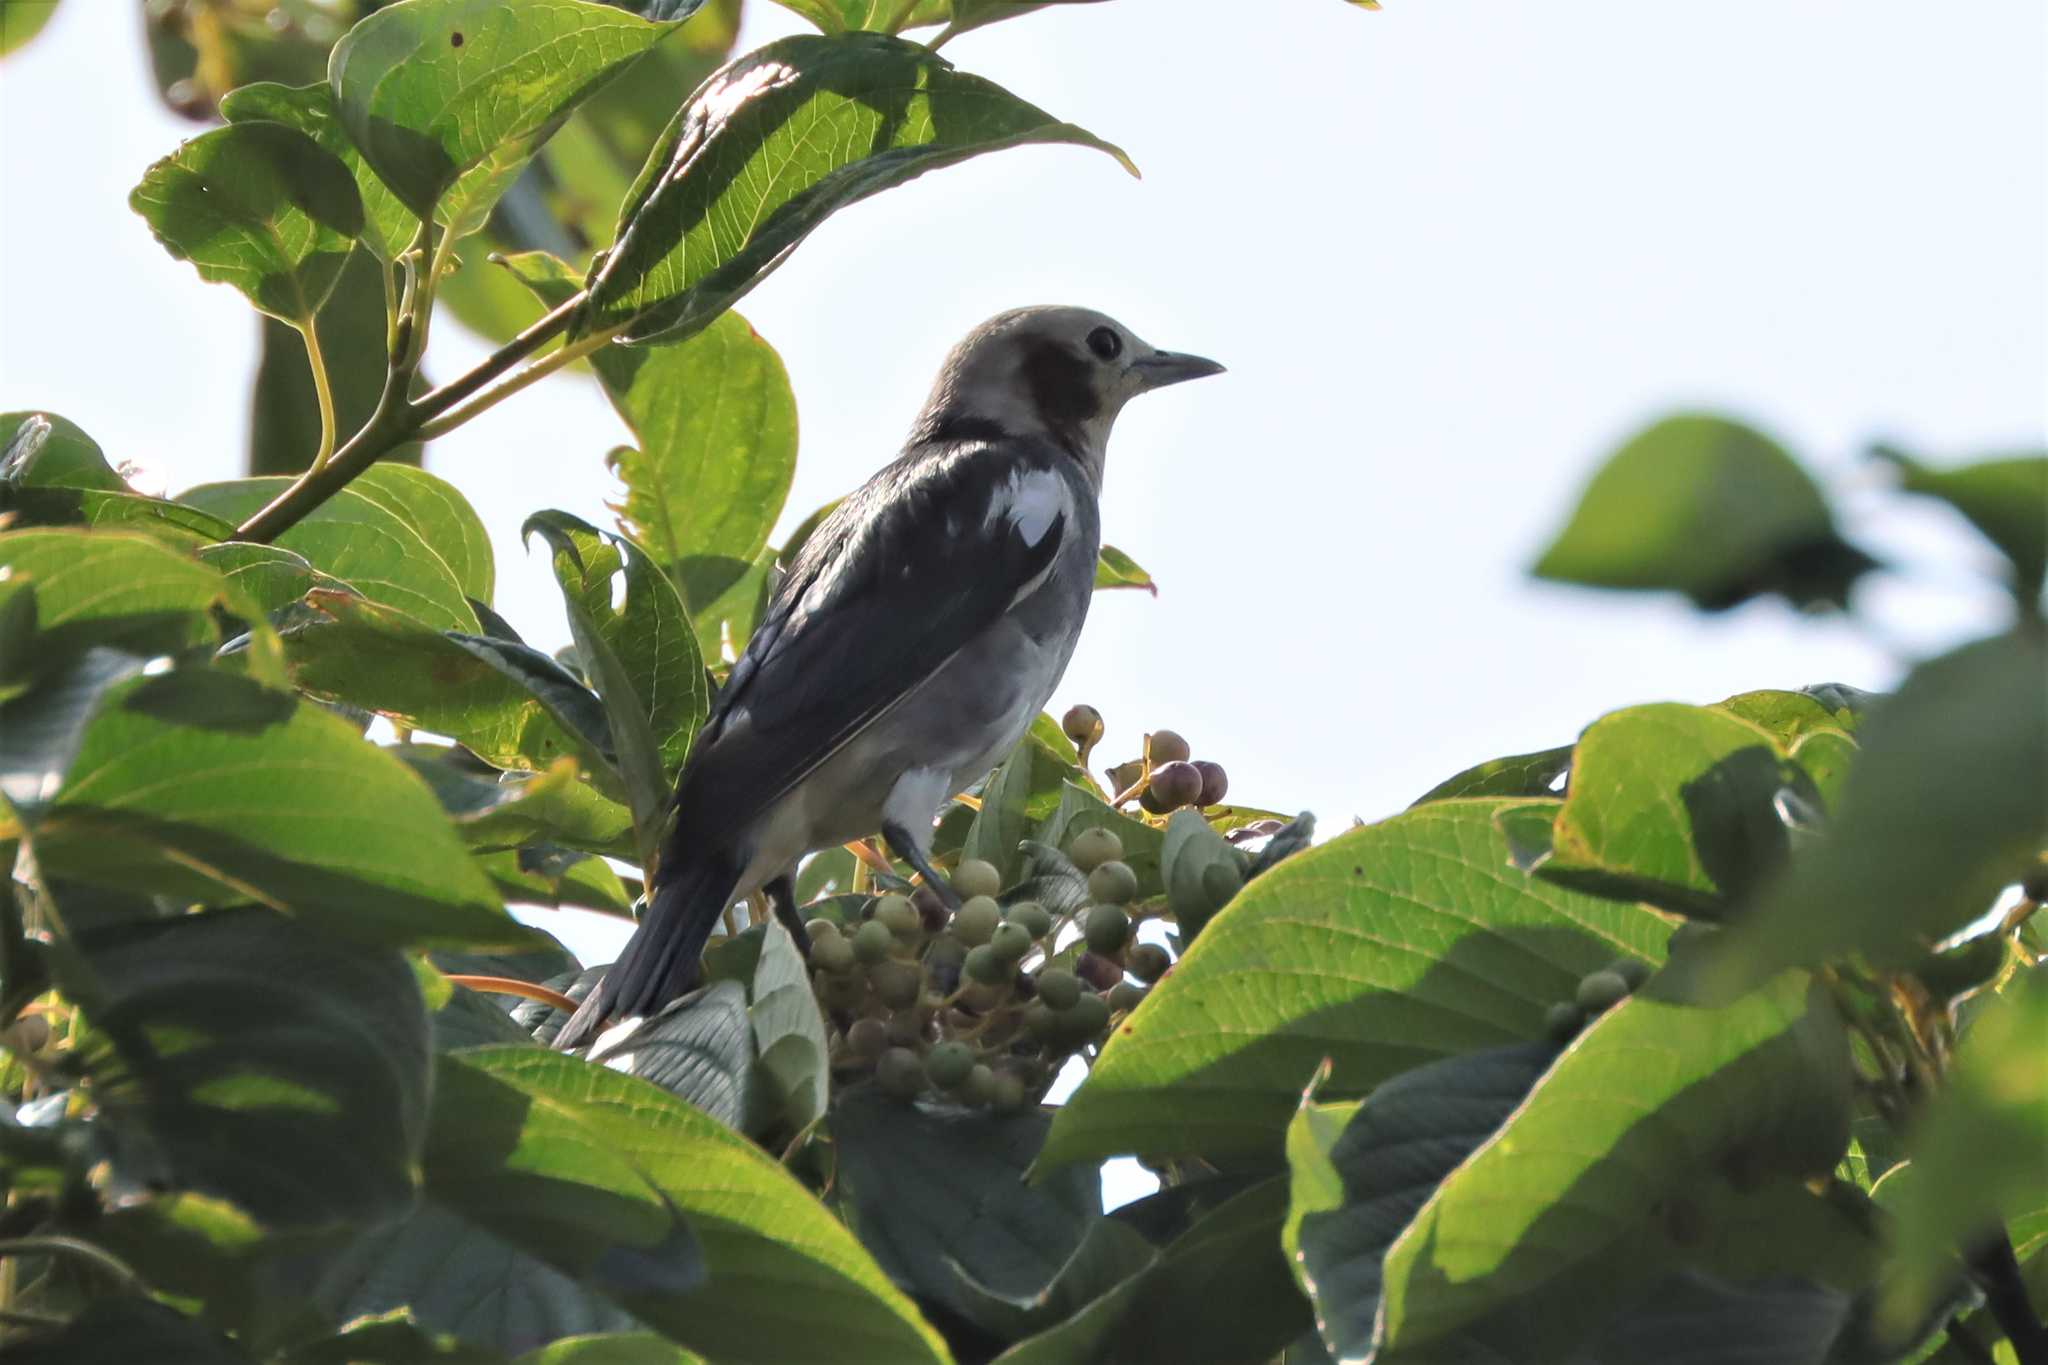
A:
908	569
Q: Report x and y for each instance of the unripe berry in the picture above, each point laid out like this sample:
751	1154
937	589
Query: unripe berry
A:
1010	942
1085	1022
1007	1093
1125	995
1633	970
899	915
932	907
896	984
1091	848
867	1037
1148	962
1112	884
1032	917
1175	785
833	954
1107	928
948	1064
976	921
984	966
1563	1022
872	941
1058	988
976	878
1164	746
821	928
1040	1022
1215	783
980	1086
1083	725
1601	990
900	1073
907	1028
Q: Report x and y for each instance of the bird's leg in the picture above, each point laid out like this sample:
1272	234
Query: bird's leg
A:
903	846
782	895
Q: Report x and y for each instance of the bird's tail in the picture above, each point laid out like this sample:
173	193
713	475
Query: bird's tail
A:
661	959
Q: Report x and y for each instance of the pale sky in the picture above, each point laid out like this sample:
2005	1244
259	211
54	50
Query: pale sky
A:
1452	253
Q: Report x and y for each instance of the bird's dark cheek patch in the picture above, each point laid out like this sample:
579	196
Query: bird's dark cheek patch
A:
1061	386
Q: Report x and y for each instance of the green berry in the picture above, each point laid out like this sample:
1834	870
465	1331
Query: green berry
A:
867	1037
1112	883
980	1085
1040	1022
948	1064
907	1027
1091	848
1007	1094
1107	928
832	953
1175	785
1633	970
899	1072
845	991
976	878
1563	1022
1085	1022
1124	996
1164	746
1083	725
984	966
1601	990
1148	962
1010	942
976	921
896	984
1058	988
872	942
1034	918
821	928
899	915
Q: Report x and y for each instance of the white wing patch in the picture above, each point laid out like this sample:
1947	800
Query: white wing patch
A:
1030	502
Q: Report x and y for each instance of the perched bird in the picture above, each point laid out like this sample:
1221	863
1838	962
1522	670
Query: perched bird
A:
918	632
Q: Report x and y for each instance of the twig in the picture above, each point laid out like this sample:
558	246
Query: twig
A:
512	985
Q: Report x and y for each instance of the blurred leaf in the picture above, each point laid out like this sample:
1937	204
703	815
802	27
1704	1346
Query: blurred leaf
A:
388	226
642	654
1362	1170
273	801
542	874
732	595
45	726
1664	1136
514	707
261	207
1201	870
773	145
1791	716
1710	508
788	1281
2005	499
938	1195
357	538
238	1032
1005	815
108	1329
827	872
1944	807
1534	774
1385	948
789	1031
494	811
1115	569
449	98
700	1049
1676	805
41	449
21	20
395	1338
613	1348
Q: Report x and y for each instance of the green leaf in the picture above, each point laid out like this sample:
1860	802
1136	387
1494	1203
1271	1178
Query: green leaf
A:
90	509
1115	569
44	728
938	1195
542	874
456	95
642	655
395	1338
1081	808
1534	774
261	207
1708	507
700	1049
237	1032
1361	1170
1665	1136
1004	819
512	706
613	1348
388	226
1385	948
1201	871
441	517
1791	716
21	20
1943	808
1676	805
2006	499
788	1281
355	537
122	591
41	449
125	1328
789	1031
203	784
506	811
269	576
771	146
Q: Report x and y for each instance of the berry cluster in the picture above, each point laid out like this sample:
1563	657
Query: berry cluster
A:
986	1002
1165	778
1598	993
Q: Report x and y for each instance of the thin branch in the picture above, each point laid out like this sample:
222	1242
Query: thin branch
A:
499	362
498	393
512	985
322	389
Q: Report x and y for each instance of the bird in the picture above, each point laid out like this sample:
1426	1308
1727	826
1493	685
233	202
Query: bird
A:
914	637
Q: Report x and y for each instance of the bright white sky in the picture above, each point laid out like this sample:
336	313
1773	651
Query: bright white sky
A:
1452	252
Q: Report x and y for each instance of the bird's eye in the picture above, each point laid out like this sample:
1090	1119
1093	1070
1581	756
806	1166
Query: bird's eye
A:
1106	344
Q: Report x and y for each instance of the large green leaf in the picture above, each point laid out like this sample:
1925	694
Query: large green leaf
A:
2005	499
1944	807
126	1328
789	1031
388	226
441	516
21	20
1710	508
1005	817
771	146
641	654
1534	774
46	450
493	810
117	590
1676	805
445	95
261	207
788	1281
358	539
1665	1135
269	1064
512	706
40	731
1386	948
1200	869
204	784
700	1049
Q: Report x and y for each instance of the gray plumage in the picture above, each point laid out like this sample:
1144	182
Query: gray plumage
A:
918	631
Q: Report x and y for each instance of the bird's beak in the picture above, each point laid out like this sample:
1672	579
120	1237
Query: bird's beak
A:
1157	370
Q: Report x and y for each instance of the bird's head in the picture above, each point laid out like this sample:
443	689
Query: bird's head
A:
1054	372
